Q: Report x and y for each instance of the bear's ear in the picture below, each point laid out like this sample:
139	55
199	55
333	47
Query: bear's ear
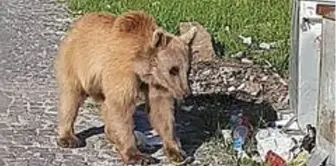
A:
189	36
159	38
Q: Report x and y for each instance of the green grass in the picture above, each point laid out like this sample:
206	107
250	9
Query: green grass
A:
263	20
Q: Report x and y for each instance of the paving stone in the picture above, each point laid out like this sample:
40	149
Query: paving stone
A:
2	162
7	155
16	162
3	126
30	33
38	162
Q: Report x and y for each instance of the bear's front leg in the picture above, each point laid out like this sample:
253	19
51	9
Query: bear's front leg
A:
162	119
119	130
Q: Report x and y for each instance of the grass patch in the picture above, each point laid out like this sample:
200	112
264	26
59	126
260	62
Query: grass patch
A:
263	20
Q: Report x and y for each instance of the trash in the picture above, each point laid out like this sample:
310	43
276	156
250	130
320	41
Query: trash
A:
147	140
246	40
285	118
187	108
264	46
273	159
308	142
146	137
273	140
300	160
140	138
239	135
241	130
227	28
267	46
227	135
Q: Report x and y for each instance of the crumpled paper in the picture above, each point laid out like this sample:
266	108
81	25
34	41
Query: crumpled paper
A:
146	137
147	140
277	142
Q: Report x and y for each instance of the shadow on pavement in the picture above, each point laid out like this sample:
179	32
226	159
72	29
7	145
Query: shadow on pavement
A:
209	113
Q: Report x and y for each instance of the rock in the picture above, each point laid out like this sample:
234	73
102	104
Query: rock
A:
241	86
231	88
202	45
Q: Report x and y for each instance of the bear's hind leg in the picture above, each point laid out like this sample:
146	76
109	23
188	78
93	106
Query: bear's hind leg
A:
69	101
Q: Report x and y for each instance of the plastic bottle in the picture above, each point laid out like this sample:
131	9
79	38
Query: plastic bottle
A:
241	130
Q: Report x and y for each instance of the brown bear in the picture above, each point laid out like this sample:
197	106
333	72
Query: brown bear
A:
108	58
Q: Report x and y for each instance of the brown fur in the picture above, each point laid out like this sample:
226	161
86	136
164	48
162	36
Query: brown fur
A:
108	57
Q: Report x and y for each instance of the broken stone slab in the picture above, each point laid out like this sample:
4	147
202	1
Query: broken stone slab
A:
202	45
244	81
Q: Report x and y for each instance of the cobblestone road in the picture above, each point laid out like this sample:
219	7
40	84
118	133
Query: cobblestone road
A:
29	33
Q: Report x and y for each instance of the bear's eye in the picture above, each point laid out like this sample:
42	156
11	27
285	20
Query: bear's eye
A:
174	71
